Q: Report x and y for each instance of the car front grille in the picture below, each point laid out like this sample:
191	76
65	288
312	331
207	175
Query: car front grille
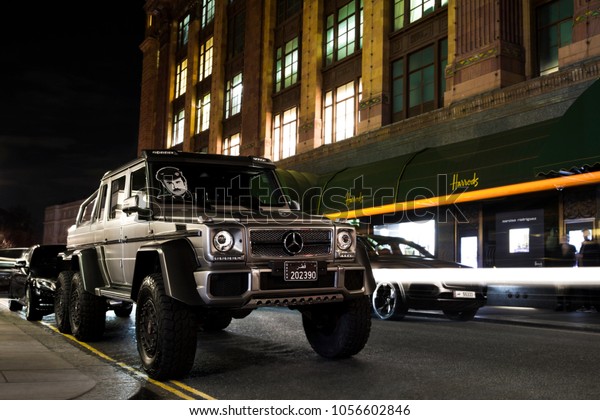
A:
270	243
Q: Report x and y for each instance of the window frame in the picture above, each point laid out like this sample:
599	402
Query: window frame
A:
400	79
285	146
402	11
334	24
233	100
333	105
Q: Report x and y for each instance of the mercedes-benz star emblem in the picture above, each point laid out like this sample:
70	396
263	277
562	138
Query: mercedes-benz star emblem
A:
292	242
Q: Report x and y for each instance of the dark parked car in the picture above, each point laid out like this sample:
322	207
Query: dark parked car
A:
32	282
396	292
8	257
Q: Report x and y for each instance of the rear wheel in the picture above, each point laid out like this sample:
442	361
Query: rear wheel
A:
61	301
461	315
389	302
32	313
123	310
166	331
87	312
338	330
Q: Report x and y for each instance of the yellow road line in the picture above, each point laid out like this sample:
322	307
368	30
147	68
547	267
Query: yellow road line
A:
136	372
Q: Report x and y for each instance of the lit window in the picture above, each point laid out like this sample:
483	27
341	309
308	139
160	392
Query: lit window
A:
342	32
346	31
203	114
414	10
178	127
181	79
183	30
339	112
233	96
208	11
344	112
420	8
285	134
398	14
286	65
231	145
206	60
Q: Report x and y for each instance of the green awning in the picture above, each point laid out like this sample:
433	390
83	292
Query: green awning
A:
574	147
486	162
363	186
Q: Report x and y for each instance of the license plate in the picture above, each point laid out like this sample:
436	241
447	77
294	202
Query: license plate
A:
300	271
464	294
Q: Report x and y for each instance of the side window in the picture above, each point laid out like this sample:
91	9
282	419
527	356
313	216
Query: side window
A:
117	196
101	204
86	216
138	181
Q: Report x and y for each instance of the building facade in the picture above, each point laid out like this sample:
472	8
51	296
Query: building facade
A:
57	220
466	125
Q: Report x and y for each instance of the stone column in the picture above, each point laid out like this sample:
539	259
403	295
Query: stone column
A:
488	47
310	115
374	106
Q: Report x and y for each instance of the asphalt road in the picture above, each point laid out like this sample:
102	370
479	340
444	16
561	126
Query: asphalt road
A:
266	357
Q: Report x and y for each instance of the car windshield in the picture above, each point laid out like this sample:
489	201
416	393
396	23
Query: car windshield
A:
213	189
384	245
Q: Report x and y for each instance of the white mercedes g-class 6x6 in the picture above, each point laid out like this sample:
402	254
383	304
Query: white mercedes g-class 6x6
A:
194	240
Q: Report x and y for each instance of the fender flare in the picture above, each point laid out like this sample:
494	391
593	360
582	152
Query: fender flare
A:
176	260
362	257
86	262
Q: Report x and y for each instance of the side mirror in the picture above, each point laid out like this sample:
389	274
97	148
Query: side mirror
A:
136	204
21	265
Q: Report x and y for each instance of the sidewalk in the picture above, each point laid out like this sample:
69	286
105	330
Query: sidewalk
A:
38	364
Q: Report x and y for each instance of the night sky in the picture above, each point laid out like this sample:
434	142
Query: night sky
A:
70	76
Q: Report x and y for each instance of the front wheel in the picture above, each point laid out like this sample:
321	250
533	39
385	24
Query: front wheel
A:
32	313
461	315
338	330
389	301
166	331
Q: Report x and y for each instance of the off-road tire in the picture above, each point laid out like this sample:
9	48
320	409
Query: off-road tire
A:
338	330
389	301
166	331
461	315
61	301
87	312
32	313
123	310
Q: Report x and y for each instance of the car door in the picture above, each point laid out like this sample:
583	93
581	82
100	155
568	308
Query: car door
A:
108	232
135	228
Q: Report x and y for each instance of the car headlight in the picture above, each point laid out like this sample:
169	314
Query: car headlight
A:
223	241
344	240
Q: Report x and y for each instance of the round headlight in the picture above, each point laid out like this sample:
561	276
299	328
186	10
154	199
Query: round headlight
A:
223	241
344	240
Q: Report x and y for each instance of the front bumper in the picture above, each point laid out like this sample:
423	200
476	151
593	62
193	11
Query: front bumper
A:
254	287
